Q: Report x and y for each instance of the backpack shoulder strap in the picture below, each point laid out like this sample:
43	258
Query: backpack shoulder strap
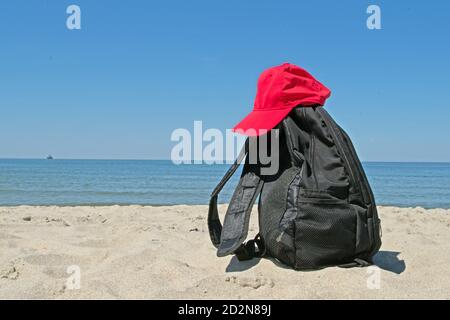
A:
229	238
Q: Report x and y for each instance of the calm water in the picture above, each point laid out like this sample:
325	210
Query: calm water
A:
74	182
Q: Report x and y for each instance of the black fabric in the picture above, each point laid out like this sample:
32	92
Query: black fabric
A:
291	205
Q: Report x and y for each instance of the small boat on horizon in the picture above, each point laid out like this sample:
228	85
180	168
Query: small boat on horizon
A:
49	157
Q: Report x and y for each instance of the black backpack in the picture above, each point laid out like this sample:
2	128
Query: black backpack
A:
318	210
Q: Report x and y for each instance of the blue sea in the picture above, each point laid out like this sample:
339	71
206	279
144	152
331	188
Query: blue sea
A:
153	182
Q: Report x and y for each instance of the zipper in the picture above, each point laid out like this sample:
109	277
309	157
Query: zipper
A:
338	141
359	165
366	193
376	220
313	154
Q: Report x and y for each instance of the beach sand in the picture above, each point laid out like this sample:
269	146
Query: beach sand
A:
148	252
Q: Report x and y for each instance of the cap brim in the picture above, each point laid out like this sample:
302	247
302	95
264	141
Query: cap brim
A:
259	122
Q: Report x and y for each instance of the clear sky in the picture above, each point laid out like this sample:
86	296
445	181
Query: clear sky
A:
139	69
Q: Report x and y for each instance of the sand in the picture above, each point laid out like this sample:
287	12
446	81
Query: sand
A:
143	252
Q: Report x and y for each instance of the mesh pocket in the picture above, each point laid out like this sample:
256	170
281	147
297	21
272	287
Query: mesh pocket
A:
325	234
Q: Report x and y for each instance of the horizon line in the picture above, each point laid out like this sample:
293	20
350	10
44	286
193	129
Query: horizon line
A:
224	161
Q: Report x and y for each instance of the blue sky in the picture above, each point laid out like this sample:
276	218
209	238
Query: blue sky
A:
139	69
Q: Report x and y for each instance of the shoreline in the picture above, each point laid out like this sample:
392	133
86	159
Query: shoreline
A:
164	252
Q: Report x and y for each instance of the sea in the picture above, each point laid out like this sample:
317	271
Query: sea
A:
159	182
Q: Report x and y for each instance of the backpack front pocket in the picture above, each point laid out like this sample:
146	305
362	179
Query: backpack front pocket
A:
325	230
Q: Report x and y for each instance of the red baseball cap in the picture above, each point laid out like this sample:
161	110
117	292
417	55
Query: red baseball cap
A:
280	89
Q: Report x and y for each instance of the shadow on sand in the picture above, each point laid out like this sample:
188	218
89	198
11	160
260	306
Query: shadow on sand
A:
386	260
389	261
237	266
